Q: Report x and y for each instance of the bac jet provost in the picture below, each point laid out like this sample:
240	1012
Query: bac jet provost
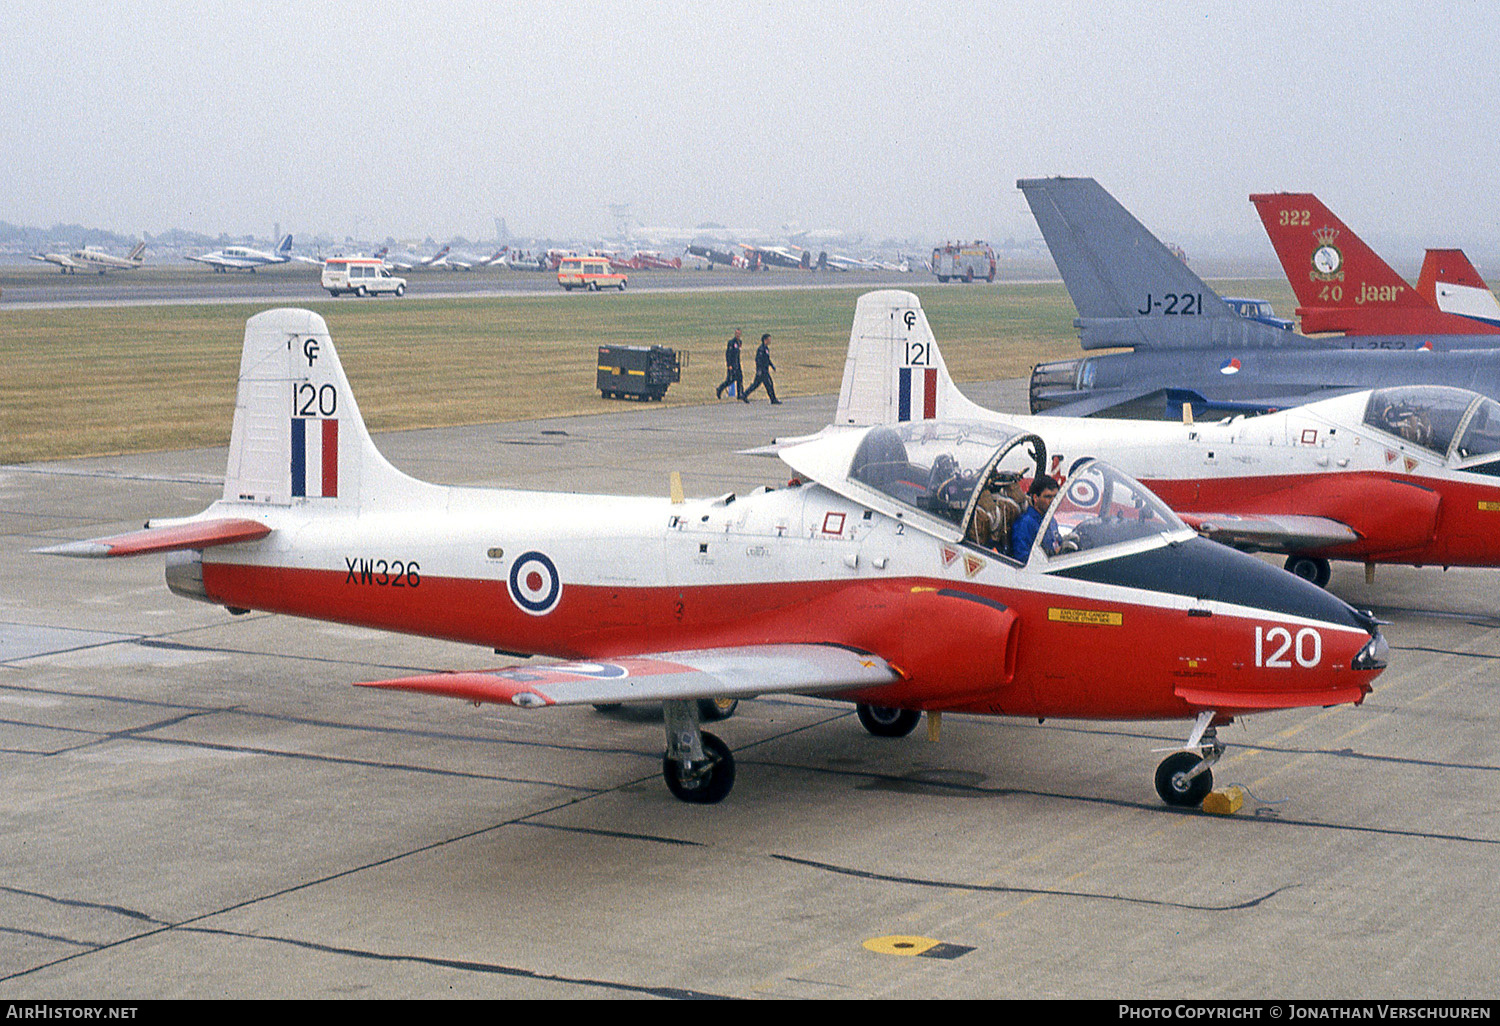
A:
1408	474
852	582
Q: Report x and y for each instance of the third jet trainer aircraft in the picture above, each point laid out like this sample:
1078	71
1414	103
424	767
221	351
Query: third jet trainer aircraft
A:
854	581
1408	474
1189	346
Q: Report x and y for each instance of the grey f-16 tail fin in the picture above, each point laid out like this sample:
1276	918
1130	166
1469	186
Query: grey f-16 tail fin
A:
1129	288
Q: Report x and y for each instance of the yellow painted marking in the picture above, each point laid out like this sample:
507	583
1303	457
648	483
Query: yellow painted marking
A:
1489	507
1098	617
899	944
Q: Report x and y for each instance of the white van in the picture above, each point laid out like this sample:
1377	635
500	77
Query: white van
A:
363	276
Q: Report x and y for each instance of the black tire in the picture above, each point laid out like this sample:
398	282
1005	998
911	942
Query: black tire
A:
400	291
943	278
884	721
361	292
622	286
1174	790
711	710
1310	568
593	286
709	787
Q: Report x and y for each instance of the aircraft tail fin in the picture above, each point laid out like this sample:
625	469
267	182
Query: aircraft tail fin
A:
1449	282
284	247
298	437
1341	283
894	372
138	253
1131	289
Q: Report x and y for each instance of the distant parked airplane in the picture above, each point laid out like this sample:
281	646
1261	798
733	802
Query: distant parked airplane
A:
91	259
243	258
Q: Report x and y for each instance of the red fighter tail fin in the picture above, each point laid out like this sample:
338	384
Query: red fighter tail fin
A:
1449	282
1341	283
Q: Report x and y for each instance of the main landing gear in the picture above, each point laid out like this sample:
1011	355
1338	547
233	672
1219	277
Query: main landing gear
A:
697	766
883	721
1310	568
1184	778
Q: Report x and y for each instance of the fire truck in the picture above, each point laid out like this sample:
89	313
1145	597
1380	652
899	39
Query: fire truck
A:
964	261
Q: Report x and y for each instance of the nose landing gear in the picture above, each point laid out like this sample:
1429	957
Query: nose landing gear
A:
1184	778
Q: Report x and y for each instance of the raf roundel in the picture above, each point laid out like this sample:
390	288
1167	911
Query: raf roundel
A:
534	584
1083	493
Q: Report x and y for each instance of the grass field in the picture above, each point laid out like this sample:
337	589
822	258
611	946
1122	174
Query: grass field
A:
105	380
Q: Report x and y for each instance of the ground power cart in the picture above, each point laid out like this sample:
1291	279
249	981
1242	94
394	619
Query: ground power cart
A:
638	372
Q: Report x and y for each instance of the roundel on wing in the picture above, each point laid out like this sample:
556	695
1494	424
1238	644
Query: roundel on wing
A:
598	671
534	583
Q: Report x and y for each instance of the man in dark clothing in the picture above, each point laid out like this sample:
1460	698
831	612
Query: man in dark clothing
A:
732	368
1040	495
763	369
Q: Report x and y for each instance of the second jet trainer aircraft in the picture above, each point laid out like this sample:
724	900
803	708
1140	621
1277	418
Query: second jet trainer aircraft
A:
1408	474
1189	347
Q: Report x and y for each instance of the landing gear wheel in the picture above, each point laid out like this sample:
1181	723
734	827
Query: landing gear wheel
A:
883	721
713	709
1174	787
1310	568
706	784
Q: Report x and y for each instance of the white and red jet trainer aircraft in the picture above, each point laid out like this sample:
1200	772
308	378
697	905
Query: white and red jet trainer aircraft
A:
856	584
1405	475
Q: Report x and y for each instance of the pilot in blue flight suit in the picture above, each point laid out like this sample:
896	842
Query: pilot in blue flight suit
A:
1040	495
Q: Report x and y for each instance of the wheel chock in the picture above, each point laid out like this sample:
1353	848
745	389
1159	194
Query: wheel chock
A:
1225	801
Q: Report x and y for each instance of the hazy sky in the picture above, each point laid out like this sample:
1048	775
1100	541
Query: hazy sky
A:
893	119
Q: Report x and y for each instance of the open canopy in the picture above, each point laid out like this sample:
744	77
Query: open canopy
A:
930	474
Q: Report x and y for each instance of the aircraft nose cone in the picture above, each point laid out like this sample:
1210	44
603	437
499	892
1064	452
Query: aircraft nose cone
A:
1373	656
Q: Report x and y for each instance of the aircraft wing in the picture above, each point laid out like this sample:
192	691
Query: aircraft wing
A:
232	263
60	259
740	672
1271	532
200	534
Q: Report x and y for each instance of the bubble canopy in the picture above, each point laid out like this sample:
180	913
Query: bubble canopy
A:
931	473
1099	509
